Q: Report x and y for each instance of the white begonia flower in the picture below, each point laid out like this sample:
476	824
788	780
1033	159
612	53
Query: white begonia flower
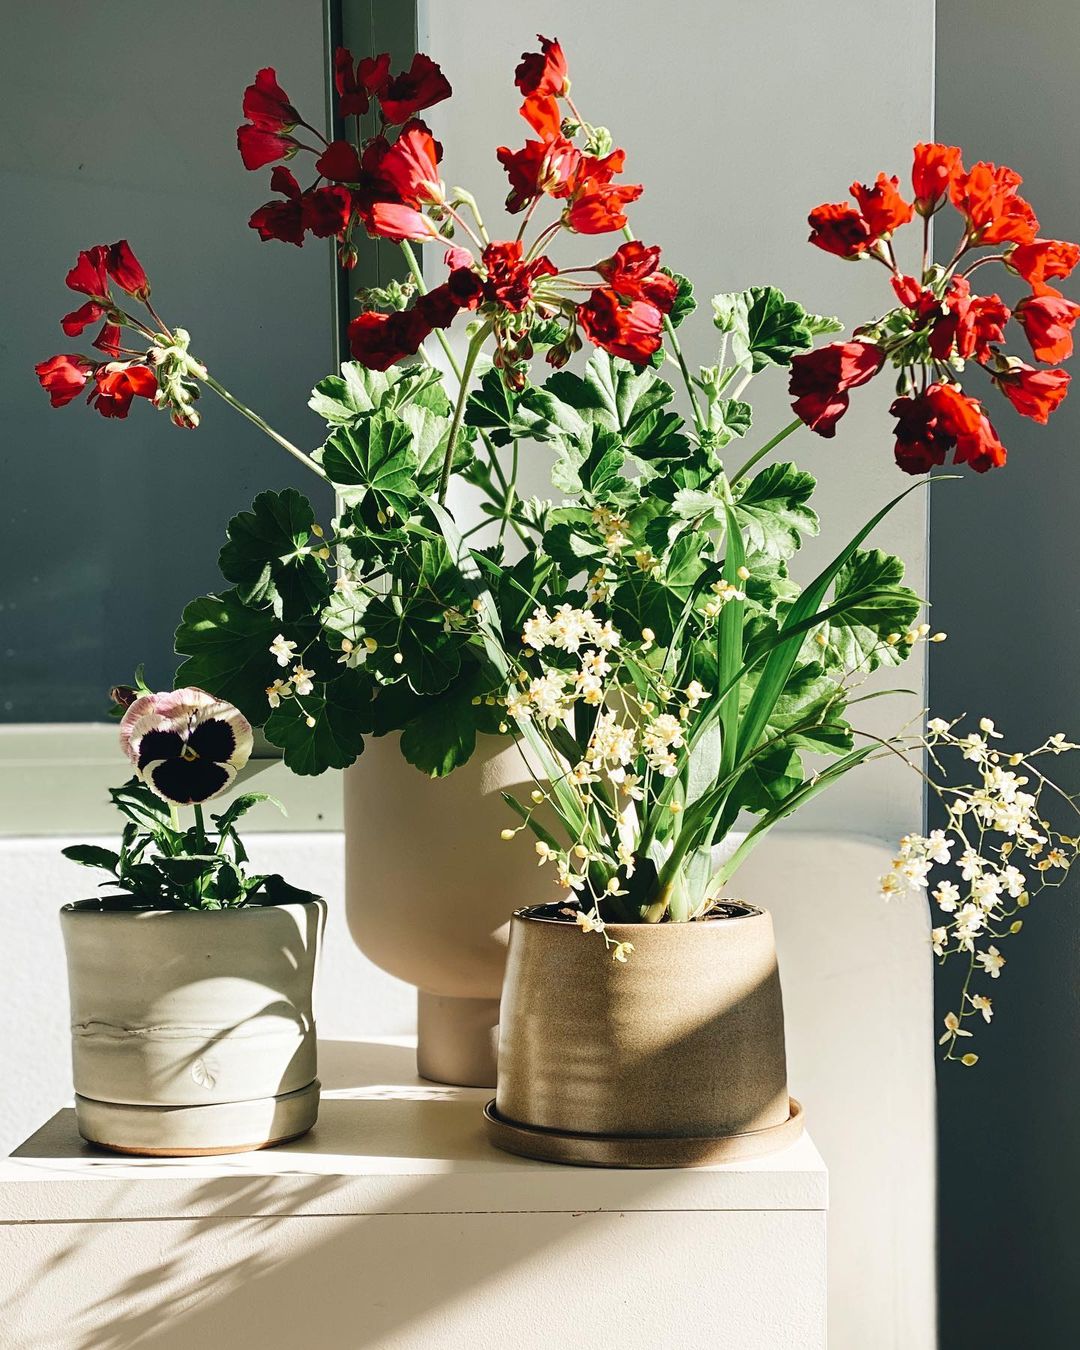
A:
544	852
621	952
589	923
891	884
518	704
301	678
589	687
596	663
971	865
915	871
572	881
695	692
1013	881
986	725
952	1028
991	961
536	632
974	747
283	649
570	627
938	846
969	923
606	637
947	895
277	691
982	1004
937	726
940	939
546	695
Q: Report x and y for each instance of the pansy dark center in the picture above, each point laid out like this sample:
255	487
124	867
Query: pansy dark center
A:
192	768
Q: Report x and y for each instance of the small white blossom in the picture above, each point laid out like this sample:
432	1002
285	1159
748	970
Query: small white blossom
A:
277	691
301	678
283	649
991	961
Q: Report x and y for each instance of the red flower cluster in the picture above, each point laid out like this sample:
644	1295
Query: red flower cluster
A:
114	383
383	185
553	165
941	324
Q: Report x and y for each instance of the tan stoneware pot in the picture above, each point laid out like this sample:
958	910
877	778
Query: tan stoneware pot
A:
675	1058
426	881
192	1032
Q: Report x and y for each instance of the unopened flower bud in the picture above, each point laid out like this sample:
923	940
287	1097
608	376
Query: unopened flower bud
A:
507	834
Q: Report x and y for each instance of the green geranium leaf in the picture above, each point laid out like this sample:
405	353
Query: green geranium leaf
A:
227	645
767	780
813	703
620	398
765	327
375	454
729	418
342	712
821	324
685	304
341	400
870	583
507	415
591	463
443	736
773	508
268	555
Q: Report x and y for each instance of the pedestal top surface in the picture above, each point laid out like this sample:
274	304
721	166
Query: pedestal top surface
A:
386	1141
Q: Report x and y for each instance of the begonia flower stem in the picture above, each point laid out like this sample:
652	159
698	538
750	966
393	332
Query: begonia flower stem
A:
254	418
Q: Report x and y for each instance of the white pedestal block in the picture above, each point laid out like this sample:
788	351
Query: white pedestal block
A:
395	1226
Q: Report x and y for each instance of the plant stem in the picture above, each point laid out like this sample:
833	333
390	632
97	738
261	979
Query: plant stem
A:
769	445
200	825
254	417
421	285
459	409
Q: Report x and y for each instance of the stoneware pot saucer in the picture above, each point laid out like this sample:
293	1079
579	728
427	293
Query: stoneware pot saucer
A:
197	1131
597	1150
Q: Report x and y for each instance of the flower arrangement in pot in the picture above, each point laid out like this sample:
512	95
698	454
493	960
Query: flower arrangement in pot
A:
191	978
674	689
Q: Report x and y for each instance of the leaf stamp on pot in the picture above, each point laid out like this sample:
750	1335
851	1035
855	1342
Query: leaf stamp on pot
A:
205	1073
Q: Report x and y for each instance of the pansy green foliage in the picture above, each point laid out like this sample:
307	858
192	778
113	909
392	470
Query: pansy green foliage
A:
162	865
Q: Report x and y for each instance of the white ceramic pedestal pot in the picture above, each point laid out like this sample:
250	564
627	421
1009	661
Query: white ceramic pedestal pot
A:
427	881
192	1031
674	1058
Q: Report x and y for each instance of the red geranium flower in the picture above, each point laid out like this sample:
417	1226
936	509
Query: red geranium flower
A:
81	318
126	270
410	166
89	275
356	85
281	220
968	322
921	442
117	383
838	228
396	221
633	272
259	145
541	111
1048	319
543	72
267	105
632	331
509	279
1042	259
63	377
963	418
932	174
378	340
1033	393
820	380
597	206
882	207
340	162
326	211
108	340
421	86
540	166
996	214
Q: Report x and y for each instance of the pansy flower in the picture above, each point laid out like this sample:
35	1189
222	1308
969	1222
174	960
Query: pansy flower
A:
187	745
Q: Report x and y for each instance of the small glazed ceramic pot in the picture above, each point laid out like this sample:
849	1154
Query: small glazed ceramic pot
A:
675	1058
192	1033
435	913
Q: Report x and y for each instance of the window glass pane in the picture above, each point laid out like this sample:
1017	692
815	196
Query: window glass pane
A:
127	129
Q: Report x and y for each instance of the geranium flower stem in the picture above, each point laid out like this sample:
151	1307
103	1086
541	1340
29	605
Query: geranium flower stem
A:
459	408
254	418
769	445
